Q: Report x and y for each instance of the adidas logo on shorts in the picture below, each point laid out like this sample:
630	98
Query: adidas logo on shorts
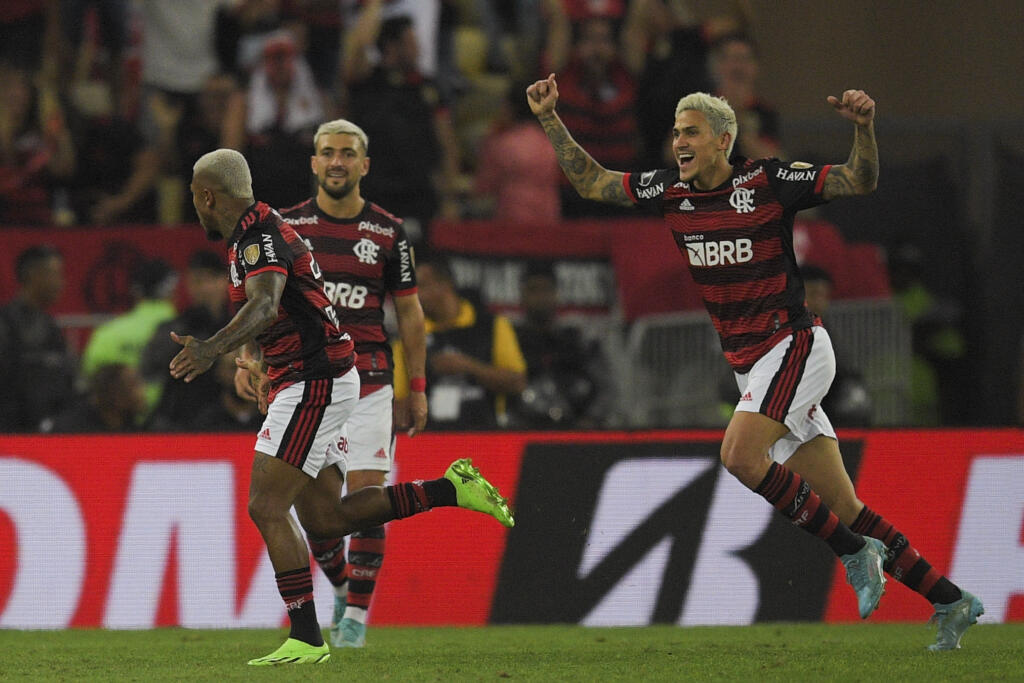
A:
265	434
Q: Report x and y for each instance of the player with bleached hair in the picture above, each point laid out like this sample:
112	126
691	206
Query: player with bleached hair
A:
278	292
733	222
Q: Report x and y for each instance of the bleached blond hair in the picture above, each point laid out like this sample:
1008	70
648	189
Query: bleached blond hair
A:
716	110
341	127
229	169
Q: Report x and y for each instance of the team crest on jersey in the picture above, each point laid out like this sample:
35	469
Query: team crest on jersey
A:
800	164
251	254
646	177
366	250
742	199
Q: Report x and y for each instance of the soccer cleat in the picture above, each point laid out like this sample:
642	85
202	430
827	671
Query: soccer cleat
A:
953	620
350	633
294	652
473	492
339	613
864	573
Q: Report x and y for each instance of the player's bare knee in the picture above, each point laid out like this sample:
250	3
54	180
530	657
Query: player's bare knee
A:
741	463
264	510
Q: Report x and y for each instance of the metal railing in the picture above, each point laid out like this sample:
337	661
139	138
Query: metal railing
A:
671	372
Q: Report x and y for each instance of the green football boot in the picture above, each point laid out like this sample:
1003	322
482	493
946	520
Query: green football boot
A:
295	652
473	492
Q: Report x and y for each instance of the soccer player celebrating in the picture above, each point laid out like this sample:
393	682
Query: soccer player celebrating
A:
364	255
734	225
278	290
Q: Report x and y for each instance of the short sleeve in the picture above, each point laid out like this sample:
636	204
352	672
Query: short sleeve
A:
399	270
262	249
797	184
647	189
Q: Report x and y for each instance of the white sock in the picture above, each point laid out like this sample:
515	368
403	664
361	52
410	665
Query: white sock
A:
355	614
342	590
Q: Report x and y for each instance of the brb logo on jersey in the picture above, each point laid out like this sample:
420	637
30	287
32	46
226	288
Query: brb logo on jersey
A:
720	253
366	250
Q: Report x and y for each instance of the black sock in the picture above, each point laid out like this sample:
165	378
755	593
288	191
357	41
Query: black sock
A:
440	493
296	589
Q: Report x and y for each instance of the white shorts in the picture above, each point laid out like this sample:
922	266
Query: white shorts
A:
787	384
368	439
305	420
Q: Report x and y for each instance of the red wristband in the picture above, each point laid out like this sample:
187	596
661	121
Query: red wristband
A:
418	384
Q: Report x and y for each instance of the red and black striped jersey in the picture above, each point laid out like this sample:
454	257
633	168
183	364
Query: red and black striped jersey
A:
305	342
738	242
363	259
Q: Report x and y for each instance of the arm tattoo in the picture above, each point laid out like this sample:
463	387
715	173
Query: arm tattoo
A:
859	175
589	178
264	294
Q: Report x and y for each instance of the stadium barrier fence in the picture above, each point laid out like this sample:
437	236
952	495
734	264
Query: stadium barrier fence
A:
623	528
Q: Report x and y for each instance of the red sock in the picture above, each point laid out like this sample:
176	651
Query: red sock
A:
793	497
904	562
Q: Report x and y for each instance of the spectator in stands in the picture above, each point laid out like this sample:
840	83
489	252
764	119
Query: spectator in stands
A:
473	358
597	102
207	312
225	411
36	150
514	32
122	340
29	28
321	22
116	169
106	56
847	403
733	62
939	368
666	44
272	121
36	370
425	17
178	56
200	133
566	378
517	171
401	111
115	402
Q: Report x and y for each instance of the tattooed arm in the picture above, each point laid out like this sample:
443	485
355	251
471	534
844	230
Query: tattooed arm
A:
859	175
590	179
263	294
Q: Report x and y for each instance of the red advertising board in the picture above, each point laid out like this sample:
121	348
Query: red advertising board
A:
627	528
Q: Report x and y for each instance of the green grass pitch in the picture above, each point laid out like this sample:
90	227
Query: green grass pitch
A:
785	652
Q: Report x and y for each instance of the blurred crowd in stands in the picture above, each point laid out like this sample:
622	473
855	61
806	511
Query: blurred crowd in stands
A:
108	103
